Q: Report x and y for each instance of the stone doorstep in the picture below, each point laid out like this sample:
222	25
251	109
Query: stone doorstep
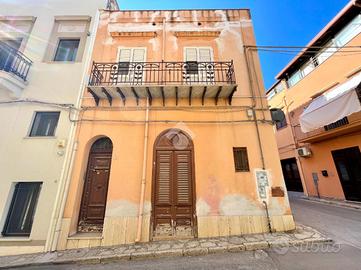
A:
205	246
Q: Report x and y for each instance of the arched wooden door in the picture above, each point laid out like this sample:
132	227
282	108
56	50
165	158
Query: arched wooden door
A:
173	198
92	210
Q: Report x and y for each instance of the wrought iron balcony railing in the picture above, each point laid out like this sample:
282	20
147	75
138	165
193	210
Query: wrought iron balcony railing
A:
162	73
13	61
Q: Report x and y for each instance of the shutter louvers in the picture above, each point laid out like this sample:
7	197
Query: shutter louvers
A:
164	177
183	177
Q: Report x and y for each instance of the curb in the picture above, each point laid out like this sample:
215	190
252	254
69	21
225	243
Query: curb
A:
331	202
187	252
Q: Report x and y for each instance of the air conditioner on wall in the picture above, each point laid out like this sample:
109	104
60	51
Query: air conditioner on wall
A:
304	152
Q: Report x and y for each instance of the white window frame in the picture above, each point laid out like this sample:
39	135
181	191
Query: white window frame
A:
128	78
192	78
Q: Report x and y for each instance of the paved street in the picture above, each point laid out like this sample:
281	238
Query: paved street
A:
341	224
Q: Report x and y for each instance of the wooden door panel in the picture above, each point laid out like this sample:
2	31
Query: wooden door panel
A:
95	190
183	178
173	205
163	177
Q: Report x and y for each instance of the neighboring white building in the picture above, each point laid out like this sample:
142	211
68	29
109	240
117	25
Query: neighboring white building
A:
45	47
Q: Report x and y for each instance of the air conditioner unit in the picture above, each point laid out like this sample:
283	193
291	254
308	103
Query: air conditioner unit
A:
304	152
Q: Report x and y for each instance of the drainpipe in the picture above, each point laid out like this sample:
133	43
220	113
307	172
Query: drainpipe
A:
144	173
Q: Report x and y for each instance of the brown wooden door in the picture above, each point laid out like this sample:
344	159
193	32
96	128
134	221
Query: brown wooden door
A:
173	200
93	203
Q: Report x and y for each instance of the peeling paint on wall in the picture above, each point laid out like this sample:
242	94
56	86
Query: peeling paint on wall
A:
202	208
236	205
124	208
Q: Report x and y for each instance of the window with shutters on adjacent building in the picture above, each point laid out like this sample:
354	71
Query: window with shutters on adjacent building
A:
240	159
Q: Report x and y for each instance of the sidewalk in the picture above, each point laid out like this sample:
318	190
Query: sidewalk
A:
348	204
193	247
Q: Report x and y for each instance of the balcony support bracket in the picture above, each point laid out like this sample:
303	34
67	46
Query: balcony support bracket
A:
204	94
109	97
122	96
217	95
163	96
135	95
149	96
231	95
95	96
176	96
190	96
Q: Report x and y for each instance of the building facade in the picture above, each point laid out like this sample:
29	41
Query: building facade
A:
44	49
319	141
174	138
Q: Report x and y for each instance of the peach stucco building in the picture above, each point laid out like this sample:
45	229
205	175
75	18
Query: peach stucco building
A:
319	92
174	139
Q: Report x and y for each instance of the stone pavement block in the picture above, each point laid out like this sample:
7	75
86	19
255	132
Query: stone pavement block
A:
168	253
236	248
142	255
118	257
256	245
195	251
212	250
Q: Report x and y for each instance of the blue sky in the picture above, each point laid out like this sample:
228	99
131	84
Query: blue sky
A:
276	22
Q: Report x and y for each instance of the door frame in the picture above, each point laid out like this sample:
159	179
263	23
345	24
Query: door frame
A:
154	166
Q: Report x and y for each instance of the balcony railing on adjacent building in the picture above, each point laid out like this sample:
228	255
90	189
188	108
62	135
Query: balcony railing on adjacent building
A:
14	62
189	79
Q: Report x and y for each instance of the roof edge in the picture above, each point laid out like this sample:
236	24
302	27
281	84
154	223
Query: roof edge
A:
322	32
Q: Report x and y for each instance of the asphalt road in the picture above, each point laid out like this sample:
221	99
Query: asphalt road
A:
341	224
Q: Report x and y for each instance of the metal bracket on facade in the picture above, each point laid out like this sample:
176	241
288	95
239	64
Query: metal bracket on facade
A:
163	97
121	95
135	95
204	94
190	96
95	96
149	96
218	93
231	95
109	97
176	96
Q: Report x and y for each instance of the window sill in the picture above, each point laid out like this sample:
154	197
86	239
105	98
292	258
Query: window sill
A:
40	137
62	62
14	239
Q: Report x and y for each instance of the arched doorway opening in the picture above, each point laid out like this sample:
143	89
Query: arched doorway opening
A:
173	189
92	208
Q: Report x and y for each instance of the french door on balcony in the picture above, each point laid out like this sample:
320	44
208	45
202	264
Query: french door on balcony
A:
130	68
199	66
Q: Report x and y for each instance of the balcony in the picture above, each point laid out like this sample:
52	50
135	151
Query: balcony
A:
163	80
14	69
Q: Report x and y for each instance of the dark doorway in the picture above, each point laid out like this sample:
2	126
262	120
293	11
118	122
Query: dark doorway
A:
348	165
291	175
173	196
95	191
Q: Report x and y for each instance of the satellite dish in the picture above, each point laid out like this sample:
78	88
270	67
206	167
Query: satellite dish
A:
277	115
